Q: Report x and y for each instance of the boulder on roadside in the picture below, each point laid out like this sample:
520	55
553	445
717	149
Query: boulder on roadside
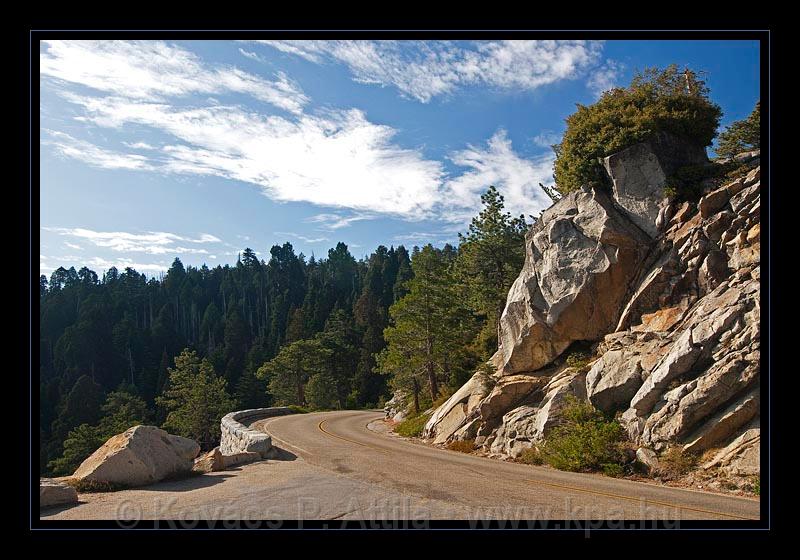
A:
211	461
139	456
55	493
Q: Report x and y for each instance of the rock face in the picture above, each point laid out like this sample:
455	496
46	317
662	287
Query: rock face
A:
212	461
639	175
55	493
669	294
140	455
580	257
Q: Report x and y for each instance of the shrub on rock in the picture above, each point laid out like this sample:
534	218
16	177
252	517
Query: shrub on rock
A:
656	101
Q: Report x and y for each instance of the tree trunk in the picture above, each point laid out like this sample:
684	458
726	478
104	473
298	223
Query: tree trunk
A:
434	386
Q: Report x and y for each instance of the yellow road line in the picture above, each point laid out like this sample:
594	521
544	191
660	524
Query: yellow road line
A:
631	498
564	486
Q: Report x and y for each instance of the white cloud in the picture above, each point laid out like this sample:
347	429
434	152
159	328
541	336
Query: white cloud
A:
355	163
94	155
153	243
547	138
251	55
73	246
302	237
424	69
497	164
605	77
154	70
335	221
140	145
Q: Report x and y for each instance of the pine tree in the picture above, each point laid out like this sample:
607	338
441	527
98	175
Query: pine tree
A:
429	326
741	135
195	400
288	373
490	257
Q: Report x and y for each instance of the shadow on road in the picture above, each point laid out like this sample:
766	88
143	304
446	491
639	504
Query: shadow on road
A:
283	454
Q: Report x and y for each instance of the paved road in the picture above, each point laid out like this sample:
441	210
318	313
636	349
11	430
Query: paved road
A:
344	443
335	467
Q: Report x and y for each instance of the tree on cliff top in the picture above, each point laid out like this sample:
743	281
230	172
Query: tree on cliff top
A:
741	135
657	100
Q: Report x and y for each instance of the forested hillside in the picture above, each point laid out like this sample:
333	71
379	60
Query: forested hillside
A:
121	348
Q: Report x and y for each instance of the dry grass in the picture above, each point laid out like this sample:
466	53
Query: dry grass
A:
462	446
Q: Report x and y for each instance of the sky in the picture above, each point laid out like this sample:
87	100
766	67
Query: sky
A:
197	149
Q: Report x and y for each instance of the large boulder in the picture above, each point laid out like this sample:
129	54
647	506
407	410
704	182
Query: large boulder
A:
139	456
640	173
55	493
530	423
580	257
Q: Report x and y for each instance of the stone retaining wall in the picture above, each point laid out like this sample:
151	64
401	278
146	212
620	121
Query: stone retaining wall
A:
237	437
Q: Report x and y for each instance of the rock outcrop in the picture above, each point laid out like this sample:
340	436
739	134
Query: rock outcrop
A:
139	456
55	493
580	257
640	173
668	294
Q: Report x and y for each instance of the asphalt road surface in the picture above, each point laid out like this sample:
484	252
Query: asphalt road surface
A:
347	466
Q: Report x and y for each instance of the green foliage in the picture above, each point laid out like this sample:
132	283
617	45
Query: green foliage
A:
757	485
299	409
122	409
98	332
321	391
490	257
195	400
531	456
689	182
578	359
289	372
412	426
742	135
80	443
657	100
586	441
430	327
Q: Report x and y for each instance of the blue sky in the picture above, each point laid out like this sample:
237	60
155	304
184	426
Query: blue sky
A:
198	149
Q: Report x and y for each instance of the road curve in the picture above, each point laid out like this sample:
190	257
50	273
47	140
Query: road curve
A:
482	488
332	467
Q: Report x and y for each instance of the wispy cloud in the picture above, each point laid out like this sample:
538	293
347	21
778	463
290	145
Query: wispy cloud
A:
302	237
251	55
94	155
497	164
425	69
356	163
335	221
547	138
48	263
155	71
605	77
153	243
140	145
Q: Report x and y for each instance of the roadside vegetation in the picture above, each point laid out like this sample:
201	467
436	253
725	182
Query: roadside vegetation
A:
586	441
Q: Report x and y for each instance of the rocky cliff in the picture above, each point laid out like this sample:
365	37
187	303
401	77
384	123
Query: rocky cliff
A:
665	294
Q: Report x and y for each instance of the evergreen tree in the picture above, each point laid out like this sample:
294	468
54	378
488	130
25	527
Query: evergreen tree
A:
428	326
195	400
741	135
490	257
288	373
